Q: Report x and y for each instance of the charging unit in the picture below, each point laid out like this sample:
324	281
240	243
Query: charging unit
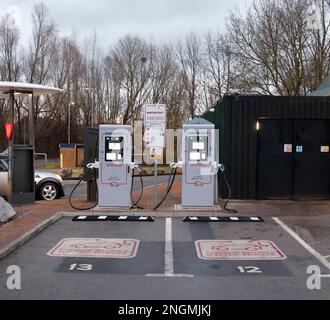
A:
200	164
115	177
200	167
115	166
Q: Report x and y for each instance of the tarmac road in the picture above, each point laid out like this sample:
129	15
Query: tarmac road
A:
165	263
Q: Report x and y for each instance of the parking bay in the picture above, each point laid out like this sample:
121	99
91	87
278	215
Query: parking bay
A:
166	259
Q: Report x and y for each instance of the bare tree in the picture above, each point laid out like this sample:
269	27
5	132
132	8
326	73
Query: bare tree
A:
218	67
134	58
318	47
42	47
164	71
41	52
10	63
9	60
277	51
113	79
189	54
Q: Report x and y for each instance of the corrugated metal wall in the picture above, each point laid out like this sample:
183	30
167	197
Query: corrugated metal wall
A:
236	117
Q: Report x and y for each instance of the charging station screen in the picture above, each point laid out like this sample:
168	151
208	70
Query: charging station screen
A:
114	146
198	148
114	149
198	145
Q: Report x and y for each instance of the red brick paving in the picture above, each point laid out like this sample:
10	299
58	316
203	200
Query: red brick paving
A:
39	212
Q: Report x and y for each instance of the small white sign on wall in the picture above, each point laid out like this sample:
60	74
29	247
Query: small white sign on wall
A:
325	149
288	148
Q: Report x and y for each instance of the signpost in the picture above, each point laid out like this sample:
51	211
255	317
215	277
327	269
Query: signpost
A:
155	119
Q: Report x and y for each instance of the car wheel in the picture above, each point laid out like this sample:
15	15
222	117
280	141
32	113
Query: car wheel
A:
49	191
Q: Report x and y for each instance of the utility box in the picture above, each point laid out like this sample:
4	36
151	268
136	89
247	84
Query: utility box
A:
91	154
80	156
23	176
71	155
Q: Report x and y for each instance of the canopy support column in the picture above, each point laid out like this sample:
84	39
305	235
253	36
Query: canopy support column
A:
11	119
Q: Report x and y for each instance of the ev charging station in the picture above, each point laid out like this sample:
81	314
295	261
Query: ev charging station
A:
115	167
115	172
199	188
200	167
200	164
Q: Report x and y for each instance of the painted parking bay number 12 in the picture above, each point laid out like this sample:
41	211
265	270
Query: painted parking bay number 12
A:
249	270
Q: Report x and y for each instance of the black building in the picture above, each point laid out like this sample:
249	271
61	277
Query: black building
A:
274	147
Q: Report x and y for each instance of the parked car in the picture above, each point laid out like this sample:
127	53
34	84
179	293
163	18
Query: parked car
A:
49	186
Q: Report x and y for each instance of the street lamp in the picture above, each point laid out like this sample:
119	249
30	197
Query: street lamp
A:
87	89
71	104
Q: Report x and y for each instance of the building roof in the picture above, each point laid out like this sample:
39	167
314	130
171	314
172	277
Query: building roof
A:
199	121
323	90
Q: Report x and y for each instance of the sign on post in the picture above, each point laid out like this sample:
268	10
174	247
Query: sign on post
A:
155	126
156	154
154	137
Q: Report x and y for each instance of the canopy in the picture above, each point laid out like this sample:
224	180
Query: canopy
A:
19	87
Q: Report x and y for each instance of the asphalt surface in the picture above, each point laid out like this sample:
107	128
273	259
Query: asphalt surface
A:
46	277
82	189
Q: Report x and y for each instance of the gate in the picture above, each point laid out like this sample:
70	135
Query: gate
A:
293	159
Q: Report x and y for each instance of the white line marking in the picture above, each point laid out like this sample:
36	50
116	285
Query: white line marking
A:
123	218
325	276
169	276
303	243
143	218
169	265
214	219
169	260
82	218
255	219
234	219
193	218
102	218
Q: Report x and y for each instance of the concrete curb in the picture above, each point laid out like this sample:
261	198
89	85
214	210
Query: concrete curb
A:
28	236
169	214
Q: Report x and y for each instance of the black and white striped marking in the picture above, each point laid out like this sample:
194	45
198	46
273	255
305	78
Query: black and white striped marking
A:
224	219
113	218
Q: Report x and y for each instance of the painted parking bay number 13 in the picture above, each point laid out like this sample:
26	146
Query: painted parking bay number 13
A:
81	267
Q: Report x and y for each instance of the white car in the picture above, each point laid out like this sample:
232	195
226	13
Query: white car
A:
49	186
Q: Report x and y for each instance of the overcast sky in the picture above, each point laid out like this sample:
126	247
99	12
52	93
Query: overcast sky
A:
159	20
